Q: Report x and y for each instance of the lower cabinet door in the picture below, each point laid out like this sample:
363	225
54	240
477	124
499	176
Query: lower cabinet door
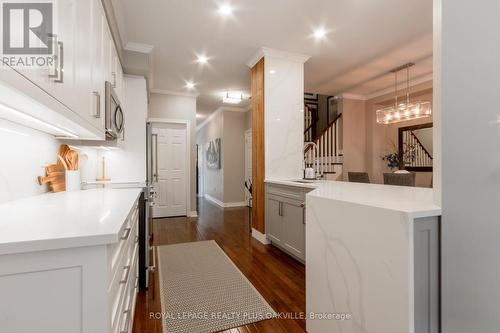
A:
294	228
274	221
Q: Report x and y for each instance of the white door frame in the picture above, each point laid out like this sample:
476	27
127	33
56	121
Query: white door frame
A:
188	155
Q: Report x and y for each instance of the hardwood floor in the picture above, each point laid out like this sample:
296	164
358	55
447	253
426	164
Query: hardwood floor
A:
279	278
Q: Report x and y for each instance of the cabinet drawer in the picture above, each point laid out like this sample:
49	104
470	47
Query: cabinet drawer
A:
290	192
126	233
122	289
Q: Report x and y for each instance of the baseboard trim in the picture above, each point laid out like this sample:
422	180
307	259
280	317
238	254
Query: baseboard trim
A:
193	214
260	236
224	204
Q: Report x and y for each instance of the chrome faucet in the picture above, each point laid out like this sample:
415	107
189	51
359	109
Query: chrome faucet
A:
317	172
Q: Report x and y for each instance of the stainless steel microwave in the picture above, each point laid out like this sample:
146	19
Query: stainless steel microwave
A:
115	120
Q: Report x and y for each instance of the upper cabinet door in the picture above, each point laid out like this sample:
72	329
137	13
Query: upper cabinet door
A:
57	79
96	90
63	79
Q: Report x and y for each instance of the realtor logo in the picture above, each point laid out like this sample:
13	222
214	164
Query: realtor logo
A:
27	28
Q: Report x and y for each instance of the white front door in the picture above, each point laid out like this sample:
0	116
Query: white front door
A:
172	171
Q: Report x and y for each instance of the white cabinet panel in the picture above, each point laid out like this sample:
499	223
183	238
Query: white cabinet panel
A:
63	287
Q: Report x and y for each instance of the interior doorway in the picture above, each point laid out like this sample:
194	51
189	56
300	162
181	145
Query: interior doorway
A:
172	169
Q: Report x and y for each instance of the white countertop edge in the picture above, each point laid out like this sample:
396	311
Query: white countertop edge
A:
57	244
427	209
54	243
291	183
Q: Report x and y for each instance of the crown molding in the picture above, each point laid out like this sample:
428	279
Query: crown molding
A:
269	52
138	47
354	96
174	93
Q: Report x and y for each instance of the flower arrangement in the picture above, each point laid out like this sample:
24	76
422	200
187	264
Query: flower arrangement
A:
394	160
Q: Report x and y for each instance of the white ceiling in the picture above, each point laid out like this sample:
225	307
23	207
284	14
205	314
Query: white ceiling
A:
366	39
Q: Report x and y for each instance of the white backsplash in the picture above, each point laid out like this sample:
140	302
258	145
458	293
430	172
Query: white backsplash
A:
25	152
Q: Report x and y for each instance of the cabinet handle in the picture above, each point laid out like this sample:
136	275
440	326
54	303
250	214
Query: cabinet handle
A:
303	206
60	63
280	208
126	234
126	269
152	268
127	321
55	71
97	97
113	75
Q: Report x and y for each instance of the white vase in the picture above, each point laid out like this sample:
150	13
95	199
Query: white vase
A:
73	181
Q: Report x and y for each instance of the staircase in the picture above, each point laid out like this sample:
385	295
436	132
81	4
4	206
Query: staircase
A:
329	142
414	153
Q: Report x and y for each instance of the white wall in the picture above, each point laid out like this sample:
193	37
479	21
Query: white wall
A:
25	153
213	178
182	108
468	85
227	183
283	117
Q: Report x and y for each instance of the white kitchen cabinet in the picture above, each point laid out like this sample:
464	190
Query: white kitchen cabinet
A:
59	80
85	288
96	91
86	58
285	220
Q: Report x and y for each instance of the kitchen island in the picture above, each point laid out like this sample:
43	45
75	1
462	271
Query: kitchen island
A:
372	254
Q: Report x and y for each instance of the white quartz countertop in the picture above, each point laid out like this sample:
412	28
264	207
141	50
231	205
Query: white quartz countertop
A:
295	183
415	201
64	219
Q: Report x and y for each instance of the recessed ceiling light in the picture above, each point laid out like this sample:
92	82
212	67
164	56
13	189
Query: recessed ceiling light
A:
319	33
225	10
189	85
202	59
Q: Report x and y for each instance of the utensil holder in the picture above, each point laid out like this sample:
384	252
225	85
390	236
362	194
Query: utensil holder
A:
73	181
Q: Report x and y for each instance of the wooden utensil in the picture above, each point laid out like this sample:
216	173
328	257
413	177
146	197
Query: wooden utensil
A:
72	160
63	150
62	161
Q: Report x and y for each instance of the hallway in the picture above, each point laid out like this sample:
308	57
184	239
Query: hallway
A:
279	278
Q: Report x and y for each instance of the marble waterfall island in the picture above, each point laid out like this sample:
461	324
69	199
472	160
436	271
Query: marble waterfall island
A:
372	252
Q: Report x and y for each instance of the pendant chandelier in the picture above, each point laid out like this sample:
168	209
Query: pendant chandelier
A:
403	111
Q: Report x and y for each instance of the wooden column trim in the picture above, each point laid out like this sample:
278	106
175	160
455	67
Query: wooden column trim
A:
258	162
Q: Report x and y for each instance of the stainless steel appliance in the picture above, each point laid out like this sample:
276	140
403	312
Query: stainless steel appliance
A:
150	196
114	115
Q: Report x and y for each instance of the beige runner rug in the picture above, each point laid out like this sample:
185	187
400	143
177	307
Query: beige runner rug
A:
202	290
